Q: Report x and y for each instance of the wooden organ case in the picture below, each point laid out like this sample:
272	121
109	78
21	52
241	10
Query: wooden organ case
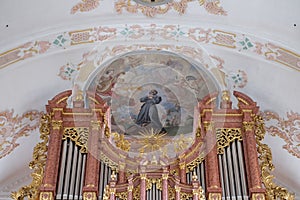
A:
226	159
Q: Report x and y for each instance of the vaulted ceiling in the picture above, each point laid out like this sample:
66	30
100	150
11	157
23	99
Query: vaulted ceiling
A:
47	47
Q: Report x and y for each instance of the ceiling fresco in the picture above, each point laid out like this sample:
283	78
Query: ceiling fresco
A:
90	39
152	93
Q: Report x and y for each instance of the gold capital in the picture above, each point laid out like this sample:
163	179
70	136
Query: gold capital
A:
56	124
248	126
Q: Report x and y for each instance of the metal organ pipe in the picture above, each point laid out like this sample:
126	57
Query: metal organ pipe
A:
72	169
232	172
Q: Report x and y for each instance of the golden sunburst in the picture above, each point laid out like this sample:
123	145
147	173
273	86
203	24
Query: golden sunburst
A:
152	140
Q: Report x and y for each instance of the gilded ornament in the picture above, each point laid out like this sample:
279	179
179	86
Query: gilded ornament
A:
198	132
112	191
248	126
130	188
46	196
106	193
120	142
113	176
143	176
136	193
208	126
122	195
225	95
56	124
156	181
214	196
165	176
225	136
273	191
177	188
31	191
199	192
258	196
89	196
185	196
106	129
190	166
171	192
95	125
79	135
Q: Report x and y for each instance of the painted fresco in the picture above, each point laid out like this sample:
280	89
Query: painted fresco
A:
152	92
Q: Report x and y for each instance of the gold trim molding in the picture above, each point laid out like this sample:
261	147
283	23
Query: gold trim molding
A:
31	191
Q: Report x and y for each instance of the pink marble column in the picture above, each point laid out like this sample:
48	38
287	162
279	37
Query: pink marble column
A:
53	154
211	160
143	187
92	163
253	168
182	172
130	188
165	186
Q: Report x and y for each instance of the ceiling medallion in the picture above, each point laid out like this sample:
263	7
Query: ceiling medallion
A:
152	2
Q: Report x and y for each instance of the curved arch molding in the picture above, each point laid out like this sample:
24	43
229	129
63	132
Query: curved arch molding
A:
239	42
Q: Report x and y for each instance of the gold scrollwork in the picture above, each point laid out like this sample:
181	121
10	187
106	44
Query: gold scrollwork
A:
225	136
89	196
79	135
122	195
120	142
39	160
248	126
156	181
185	196
114	166
273	191
190	166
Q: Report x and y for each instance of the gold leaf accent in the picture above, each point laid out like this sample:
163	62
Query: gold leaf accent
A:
273	191
225	136
46	196
31	191
136	192
89	196
185	196
199	192
190	166
120	141
248	126
171	192
122	195
79	135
